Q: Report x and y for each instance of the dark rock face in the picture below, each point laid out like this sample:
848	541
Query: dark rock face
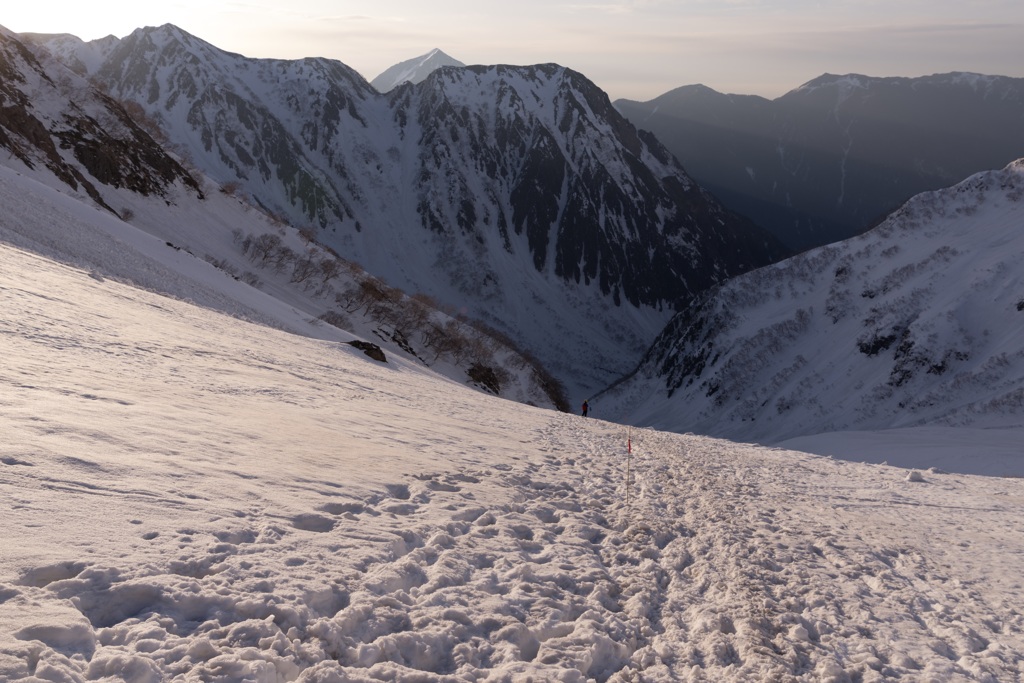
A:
595	200
831	158
107	147
485	377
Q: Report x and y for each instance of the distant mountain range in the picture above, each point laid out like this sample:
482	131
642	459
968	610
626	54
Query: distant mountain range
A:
918	321
517	196
831	158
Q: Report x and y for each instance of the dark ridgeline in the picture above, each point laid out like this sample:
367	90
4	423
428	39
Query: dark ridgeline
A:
831	158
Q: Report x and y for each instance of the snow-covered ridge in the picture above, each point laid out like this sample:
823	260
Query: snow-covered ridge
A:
845	83
843	86
82	57
917	322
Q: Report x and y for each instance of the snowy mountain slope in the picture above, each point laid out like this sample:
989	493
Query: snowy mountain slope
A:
88	142
189	250
918	322
517	195
55	119
830	158
412	70
267	124
191	496
80	56
214	227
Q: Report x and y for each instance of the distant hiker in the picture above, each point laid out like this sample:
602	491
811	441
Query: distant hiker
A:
586	407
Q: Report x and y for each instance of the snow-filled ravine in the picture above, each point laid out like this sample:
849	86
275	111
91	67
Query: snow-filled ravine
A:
190	497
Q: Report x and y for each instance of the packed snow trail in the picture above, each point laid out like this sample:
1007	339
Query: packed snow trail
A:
770	578
720	568
194	498
707	574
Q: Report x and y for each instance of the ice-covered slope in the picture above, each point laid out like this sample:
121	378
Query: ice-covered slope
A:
189	496
918	322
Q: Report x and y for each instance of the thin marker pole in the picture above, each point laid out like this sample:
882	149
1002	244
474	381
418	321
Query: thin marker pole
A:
629	458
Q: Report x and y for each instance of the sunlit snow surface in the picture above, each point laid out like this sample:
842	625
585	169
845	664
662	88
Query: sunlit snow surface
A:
187	496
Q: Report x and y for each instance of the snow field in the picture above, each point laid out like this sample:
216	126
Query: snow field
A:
196	498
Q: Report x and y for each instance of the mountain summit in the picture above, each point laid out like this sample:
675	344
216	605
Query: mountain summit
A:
413	70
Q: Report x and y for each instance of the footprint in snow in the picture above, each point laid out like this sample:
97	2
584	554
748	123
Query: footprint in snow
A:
435	485
399	508
235	536
353	508
311	521
400	491
40	577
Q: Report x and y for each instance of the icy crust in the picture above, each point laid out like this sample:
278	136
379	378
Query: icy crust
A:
197	498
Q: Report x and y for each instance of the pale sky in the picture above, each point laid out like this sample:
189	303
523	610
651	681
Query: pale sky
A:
637	49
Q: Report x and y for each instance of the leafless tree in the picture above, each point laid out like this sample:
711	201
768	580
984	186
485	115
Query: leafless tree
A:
304	268
264	246
335	318
329	269
231	188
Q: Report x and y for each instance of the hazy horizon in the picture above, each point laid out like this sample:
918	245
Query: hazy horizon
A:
636	50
